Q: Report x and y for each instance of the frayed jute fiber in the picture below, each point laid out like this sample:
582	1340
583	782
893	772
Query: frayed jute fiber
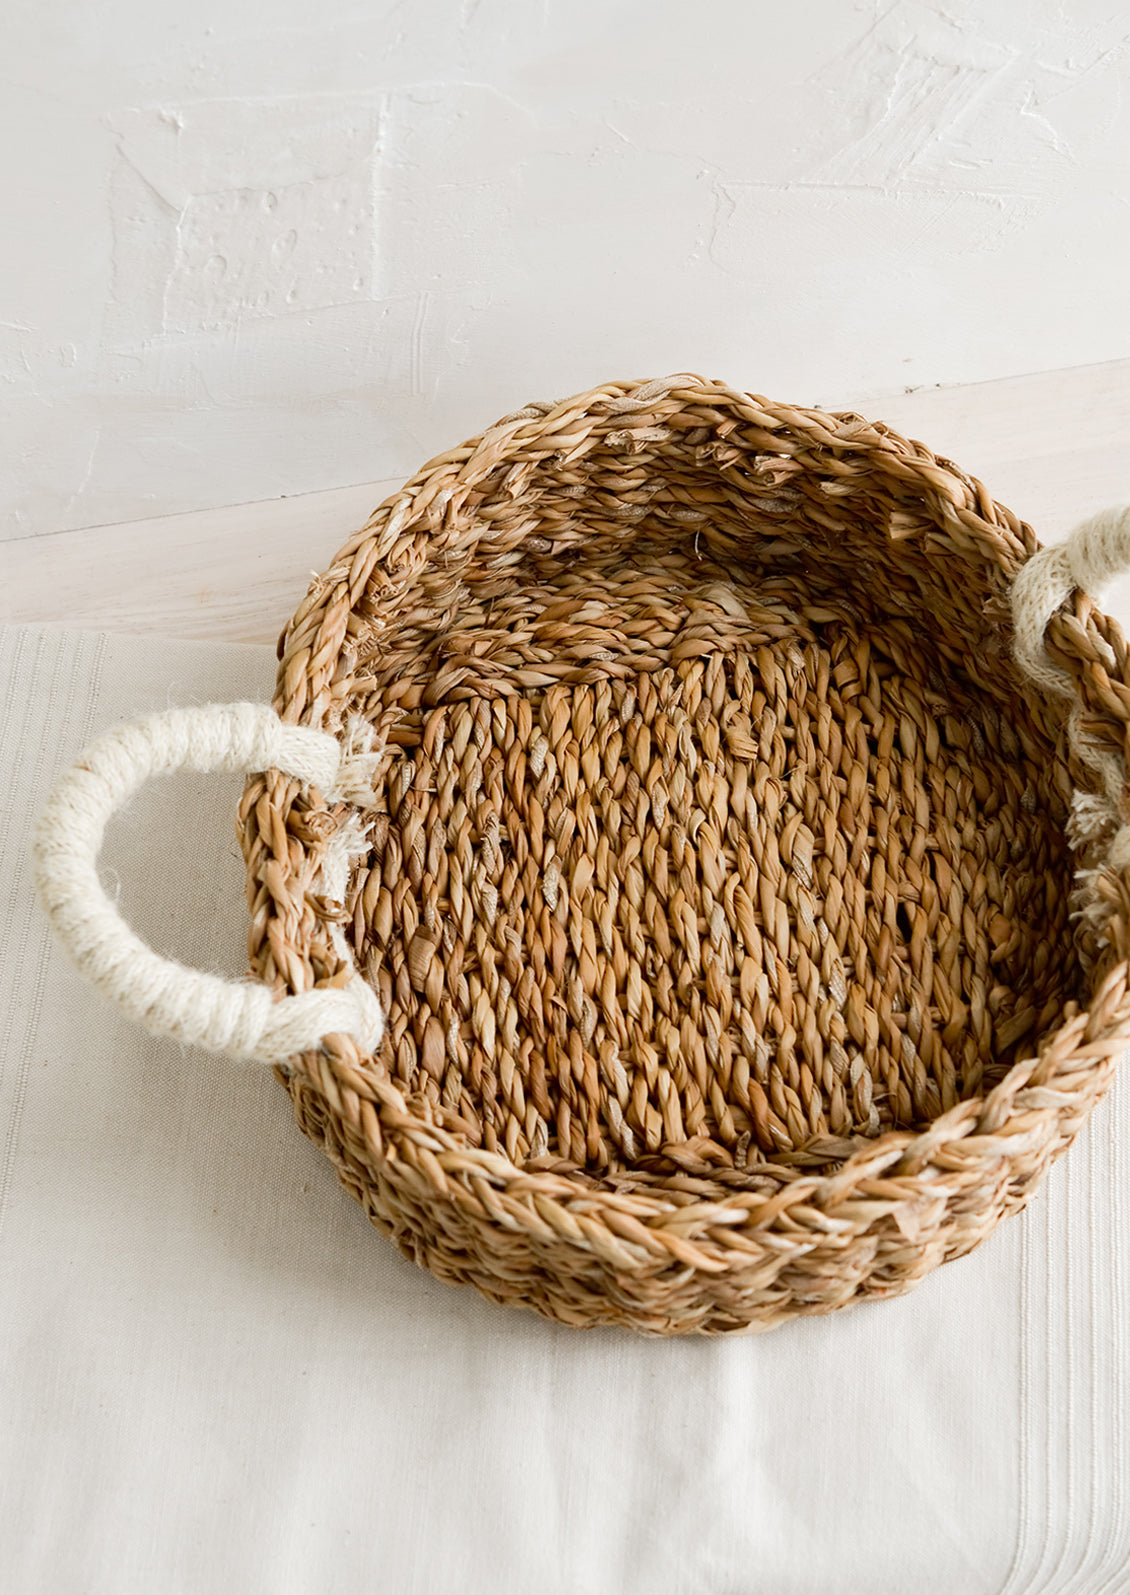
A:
739	907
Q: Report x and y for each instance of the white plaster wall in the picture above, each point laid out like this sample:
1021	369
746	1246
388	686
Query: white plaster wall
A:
254	249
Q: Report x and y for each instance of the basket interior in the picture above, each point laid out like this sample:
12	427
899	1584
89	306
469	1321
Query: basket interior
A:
715	830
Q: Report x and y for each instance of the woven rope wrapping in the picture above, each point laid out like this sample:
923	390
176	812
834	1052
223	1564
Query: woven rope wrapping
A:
719	891
166	998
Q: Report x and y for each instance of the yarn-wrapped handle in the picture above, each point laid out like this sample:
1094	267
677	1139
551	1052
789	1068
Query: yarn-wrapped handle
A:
239	1019
1094	553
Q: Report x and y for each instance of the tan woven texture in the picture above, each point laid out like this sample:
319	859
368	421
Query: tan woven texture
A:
717	883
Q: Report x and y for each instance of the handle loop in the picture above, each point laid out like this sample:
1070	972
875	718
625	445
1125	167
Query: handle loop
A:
1094	552
241	1020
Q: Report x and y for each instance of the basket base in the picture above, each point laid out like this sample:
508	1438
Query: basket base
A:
703	876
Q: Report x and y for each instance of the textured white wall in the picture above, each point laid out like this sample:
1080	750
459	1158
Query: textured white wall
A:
257	249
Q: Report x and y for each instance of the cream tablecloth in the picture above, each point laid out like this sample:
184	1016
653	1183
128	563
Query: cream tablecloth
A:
215	1377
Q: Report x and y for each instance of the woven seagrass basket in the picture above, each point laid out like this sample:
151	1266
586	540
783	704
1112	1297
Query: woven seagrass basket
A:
744	894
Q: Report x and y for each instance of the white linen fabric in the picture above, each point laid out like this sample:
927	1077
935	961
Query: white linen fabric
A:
214	1376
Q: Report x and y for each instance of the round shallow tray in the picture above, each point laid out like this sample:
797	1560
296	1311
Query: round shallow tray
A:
716	879
689	883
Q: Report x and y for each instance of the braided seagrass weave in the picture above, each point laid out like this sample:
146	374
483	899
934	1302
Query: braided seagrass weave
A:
715	880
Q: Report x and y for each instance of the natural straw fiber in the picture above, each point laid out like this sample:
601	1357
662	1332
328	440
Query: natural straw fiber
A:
718	888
